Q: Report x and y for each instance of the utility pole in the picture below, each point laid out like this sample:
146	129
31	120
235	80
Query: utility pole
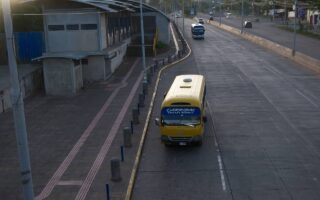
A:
285	12
294	27
17	106
253	8
183	17
273	7
241	16
220	13
145	80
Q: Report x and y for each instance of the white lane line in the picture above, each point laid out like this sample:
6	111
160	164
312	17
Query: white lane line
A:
308	99
76	148
223	182
70	183
105	147
221	169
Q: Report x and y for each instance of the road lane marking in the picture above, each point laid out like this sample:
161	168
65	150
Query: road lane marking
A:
76	148
223	182
70	183
221	169
308	99
146	126
106	146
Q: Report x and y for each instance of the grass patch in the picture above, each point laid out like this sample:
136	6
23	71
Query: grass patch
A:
161	45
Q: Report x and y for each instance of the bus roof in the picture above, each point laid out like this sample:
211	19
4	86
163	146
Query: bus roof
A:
185	90
197	25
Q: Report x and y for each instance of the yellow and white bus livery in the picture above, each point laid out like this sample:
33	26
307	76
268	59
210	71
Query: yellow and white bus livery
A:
183	111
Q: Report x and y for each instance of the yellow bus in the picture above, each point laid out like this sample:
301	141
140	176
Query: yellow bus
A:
183	111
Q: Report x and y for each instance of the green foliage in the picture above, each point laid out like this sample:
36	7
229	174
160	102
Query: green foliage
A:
160	45
22	22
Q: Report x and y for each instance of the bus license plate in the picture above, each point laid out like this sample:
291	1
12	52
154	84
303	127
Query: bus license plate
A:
182	143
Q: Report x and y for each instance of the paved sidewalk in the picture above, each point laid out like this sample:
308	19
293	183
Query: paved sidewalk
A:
73	139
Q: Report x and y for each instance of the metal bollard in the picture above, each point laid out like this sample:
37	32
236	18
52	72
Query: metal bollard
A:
145	88
108	192
135	116
141	100
149	75
127	137
131	125
138	107
122	153
169	60
115	170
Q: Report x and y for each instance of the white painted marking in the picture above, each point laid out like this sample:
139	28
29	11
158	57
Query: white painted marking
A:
308	99
76	148
105	147
223	182
70	183
221	170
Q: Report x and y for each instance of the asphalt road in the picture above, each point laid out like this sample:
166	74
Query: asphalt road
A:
269	30
262	137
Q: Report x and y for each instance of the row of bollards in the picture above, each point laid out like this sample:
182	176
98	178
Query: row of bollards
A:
128	131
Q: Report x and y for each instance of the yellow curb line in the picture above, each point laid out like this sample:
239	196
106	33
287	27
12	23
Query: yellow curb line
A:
146	126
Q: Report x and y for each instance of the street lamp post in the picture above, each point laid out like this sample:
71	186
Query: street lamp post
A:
273	11
294	28
183	17
220	13
145	80
241	16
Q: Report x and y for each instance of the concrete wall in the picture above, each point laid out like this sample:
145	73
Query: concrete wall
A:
163	28
71	40
120	52
162	24
100	67
61	76
95	69
29	84
103	32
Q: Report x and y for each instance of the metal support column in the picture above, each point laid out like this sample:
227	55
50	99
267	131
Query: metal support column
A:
18	106
142	45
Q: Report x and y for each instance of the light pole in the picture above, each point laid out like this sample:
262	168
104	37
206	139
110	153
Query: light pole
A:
18	107
220	13
183	17
241	16
145	80
294	28
273	11
253	8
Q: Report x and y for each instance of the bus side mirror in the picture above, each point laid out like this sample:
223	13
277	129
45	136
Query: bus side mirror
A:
157	121
204	118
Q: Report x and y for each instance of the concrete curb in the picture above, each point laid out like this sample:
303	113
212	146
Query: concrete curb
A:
146	125
299	58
